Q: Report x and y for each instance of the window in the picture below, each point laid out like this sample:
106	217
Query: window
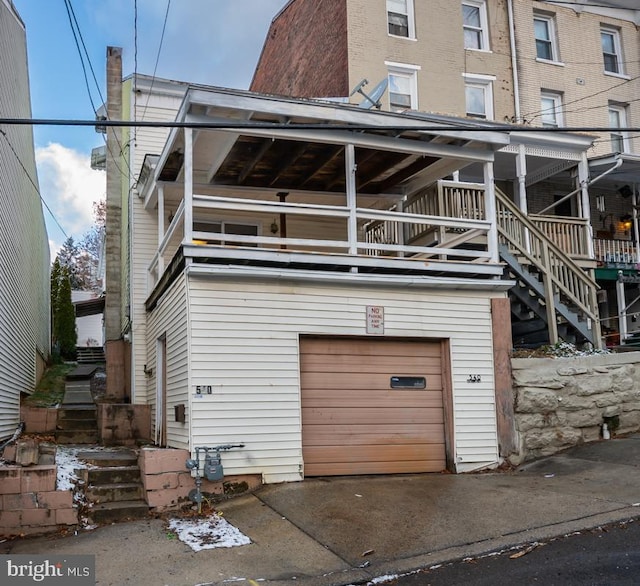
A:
474	22
479	96
403	87
545	35
618	119
400	18
611	52
551	109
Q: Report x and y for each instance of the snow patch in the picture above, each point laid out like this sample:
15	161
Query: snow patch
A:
208	533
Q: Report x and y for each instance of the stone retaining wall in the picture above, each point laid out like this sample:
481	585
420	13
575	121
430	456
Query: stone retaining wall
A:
123	424
39	419
562	402
167	482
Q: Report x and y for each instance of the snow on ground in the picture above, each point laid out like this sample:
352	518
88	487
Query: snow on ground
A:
208	533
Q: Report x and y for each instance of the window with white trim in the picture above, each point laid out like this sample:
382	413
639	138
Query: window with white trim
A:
618	119
474	23
544	30
403	88
611	50
478	91
551	109
400	18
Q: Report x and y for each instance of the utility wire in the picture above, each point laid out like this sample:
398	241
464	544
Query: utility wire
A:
155	68
465	126
44	203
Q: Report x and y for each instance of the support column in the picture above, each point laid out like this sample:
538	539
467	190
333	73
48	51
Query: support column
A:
161	229
622	308
188	185
583	185
350	172
490	210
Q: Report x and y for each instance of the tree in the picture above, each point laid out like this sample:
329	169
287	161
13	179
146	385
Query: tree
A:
65	317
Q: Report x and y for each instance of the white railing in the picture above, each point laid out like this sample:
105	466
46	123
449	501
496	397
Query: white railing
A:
379	231
616	251
569	234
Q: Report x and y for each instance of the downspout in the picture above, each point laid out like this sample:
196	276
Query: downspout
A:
514	64
616	165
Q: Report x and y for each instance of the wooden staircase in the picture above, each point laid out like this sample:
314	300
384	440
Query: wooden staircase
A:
554	298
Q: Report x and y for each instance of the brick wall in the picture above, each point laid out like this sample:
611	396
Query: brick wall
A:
167	482
305	52
30	503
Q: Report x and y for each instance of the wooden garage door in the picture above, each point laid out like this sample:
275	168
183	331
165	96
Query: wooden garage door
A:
353	422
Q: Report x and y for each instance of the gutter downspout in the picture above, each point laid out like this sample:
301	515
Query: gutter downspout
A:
616	165
514	64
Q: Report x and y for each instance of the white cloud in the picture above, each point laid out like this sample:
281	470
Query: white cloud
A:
70	187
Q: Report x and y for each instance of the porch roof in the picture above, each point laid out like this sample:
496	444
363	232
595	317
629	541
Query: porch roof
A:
249	140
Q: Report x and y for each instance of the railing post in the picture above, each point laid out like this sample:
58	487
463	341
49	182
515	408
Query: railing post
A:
552	324
593	301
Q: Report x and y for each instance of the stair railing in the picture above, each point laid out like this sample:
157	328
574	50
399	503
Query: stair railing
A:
561	275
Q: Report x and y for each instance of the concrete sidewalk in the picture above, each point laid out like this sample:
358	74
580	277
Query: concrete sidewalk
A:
352	529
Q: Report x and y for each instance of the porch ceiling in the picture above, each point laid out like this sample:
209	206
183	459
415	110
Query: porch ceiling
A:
273	147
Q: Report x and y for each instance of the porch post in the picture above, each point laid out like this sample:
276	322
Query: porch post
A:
521	172
636	231
583	184
622	308
188	185
160	228
350	171
490	207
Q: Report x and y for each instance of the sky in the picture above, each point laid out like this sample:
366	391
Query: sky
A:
215	42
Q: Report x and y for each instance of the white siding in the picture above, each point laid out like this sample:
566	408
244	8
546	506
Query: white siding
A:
244	342
144	225
169	318
24	249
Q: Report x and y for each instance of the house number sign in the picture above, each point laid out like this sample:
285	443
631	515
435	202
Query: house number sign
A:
375	319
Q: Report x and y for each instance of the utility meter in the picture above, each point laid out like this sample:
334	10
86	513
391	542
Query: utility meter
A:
213	466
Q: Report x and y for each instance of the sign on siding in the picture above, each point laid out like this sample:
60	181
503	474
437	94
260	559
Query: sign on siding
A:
375	319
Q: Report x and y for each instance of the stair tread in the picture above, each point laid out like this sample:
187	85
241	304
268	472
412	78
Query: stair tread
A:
115	505
110	485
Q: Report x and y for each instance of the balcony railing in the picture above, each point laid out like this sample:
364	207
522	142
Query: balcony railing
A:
616	252
569	234
334	231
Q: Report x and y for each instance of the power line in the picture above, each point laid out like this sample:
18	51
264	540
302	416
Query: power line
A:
44	203
155	68
463	126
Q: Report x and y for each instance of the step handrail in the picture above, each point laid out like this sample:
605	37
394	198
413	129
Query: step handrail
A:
559	270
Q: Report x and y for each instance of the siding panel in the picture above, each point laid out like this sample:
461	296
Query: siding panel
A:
251	361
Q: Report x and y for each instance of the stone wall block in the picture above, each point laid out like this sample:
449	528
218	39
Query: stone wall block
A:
537	378
536	400
158	461
573	402
572	370
629	421
607	400
594	385
612	411
18	502
591	434
38	479
66	517
586	418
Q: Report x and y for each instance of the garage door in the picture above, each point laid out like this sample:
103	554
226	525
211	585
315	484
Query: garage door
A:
371	406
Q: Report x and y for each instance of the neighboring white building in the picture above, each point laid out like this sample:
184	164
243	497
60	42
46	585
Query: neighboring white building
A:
89	328
24	248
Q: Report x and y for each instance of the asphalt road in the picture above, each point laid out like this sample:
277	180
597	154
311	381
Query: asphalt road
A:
600	557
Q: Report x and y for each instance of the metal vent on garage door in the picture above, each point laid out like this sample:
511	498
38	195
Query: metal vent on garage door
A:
353	419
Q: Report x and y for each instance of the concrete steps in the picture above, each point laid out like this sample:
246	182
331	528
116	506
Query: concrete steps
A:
114	486
77	424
